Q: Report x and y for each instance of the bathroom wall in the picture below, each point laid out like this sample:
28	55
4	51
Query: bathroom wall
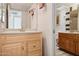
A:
34	19
45	24
45	20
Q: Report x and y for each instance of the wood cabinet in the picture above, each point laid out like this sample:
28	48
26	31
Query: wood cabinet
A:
21	44
77	44
69	42
14	49
34	48
61	42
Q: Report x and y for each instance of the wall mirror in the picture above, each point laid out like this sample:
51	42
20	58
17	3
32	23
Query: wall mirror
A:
12	15
67	19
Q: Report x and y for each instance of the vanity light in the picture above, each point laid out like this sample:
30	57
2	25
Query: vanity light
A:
31	12
41	5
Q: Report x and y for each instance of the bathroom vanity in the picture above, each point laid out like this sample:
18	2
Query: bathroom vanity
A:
69	42
21	43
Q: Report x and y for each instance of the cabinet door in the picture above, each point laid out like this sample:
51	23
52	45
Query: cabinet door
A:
34	48
70	45
2	40
14	49
77	44
61	41
77	48
67	42
70	42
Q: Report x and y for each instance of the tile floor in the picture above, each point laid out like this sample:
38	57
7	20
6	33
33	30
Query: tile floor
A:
62	53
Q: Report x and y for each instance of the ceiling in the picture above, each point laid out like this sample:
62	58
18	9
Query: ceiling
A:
18	6
21	6
58	5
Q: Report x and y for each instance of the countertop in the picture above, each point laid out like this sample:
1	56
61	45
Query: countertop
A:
70	32
20	32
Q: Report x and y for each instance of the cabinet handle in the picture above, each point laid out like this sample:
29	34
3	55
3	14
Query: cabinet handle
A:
22	48
34	46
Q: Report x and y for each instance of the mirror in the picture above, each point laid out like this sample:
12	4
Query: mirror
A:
67	19
13	18
74	20
2	13
14	15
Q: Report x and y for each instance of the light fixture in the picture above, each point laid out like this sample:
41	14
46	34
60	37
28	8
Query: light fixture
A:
41	5
31	12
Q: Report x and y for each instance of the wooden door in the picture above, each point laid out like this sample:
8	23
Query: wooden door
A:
14	49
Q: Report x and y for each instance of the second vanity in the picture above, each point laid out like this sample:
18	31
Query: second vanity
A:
21	43
69	42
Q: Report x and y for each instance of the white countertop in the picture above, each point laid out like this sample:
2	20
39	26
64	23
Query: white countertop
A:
19	32
70	32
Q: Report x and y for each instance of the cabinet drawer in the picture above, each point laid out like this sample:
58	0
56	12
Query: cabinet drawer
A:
67	35
34	45
14	49
35	53
21	37
2	38
34	36
15	38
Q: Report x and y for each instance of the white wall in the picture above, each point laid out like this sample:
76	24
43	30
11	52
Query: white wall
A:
45	20
34	19
45	25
